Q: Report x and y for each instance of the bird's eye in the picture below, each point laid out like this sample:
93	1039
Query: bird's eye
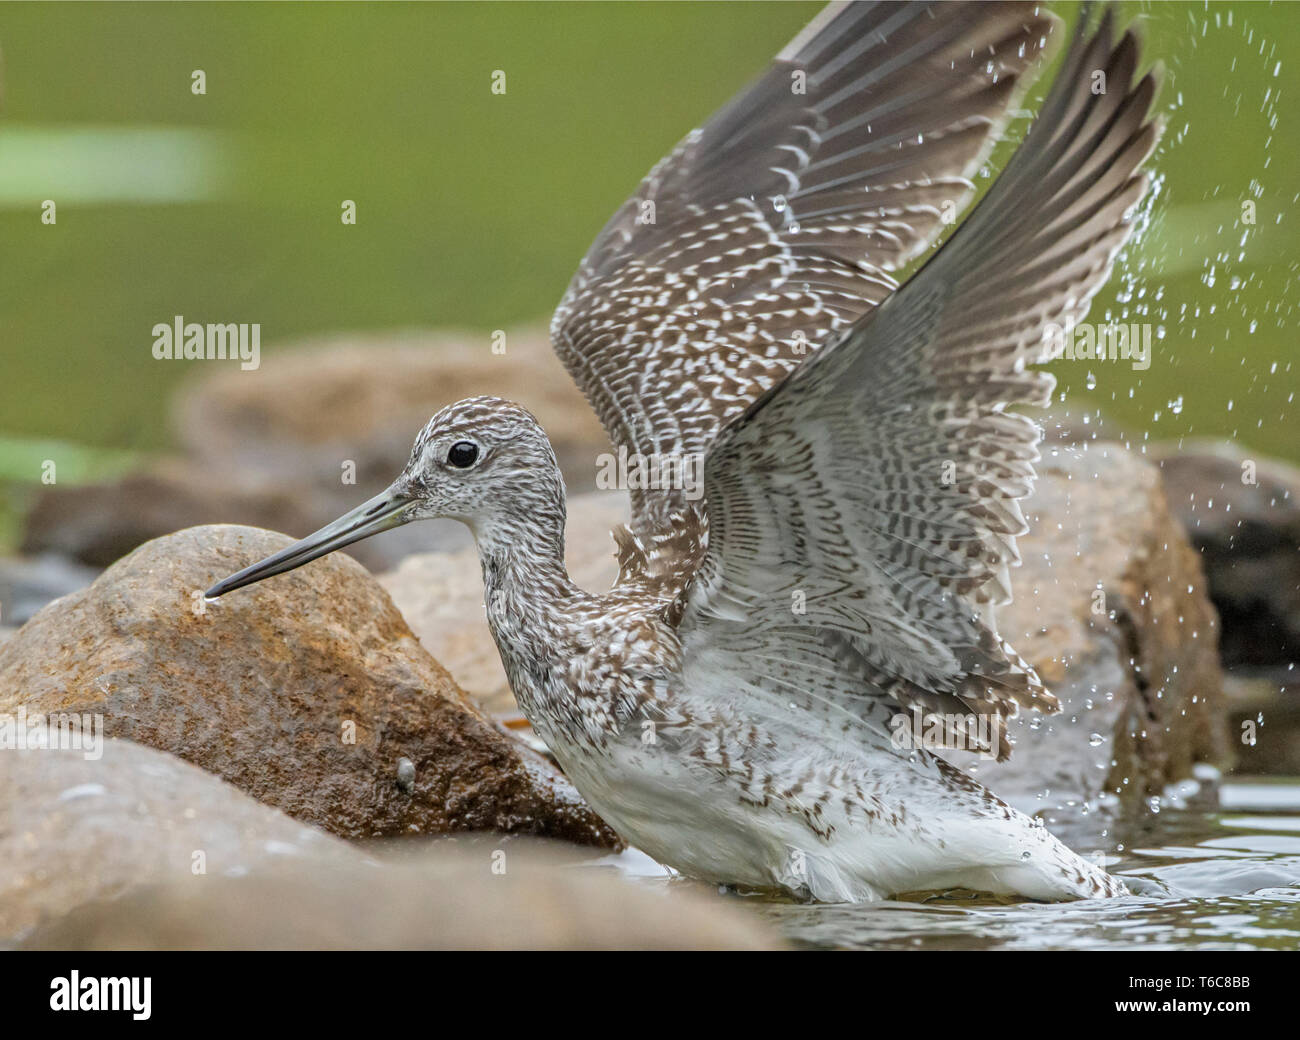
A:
462	454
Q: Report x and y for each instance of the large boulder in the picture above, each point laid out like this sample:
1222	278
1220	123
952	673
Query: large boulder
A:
1242	513
307	691
1136	668
139	850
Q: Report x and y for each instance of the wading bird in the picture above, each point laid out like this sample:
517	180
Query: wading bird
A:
727	705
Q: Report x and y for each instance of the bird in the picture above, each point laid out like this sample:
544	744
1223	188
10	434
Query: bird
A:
727	705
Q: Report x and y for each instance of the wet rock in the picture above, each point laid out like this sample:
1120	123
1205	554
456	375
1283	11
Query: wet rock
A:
1110	607
1242	513
1264	717
305	691
441	595
75	829
512	896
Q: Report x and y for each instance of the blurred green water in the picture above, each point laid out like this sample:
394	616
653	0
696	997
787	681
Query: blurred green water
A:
473	209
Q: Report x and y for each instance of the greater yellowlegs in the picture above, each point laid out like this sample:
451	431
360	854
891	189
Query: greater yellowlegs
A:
728	705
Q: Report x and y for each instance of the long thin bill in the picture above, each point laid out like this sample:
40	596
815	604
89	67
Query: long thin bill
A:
381	513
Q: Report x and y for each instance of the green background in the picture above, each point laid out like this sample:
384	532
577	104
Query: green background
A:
475	208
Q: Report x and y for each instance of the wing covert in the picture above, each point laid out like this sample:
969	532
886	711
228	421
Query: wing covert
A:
775	225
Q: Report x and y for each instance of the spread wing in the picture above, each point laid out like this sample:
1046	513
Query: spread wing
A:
775	225
881	479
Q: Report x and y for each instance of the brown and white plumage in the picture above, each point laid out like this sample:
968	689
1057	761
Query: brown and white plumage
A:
727	706
778	223
898	559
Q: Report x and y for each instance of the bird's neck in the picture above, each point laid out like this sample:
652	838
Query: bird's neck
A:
522	556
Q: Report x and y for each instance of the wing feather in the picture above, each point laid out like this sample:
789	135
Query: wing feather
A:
775	226
882	478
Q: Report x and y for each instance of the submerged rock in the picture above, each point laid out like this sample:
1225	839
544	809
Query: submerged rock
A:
1242	513
305	691
1136	668
139	850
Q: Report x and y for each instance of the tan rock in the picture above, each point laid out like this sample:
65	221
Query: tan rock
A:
447	898
1242	513
318	401
75	829
304	691
139	850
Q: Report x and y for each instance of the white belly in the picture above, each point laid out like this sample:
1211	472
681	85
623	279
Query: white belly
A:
926	838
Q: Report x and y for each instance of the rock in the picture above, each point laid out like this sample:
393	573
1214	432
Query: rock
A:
138	850
1265	715
441	595
75	829
27	584
318	402
1139	683
1242	513
305	691
446	898
1110	608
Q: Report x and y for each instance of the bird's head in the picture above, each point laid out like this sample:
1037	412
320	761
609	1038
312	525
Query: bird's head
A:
482	461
